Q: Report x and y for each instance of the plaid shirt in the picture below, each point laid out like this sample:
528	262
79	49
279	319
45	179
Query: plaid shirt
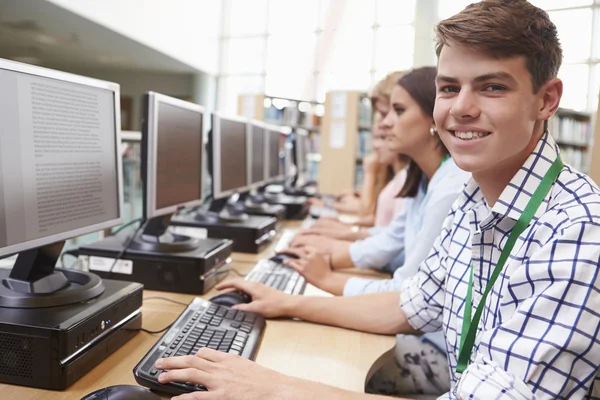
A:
538	335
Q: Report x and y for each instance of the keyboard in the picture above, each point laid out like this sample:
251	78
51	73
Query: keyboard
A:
201	324
277	276
284	240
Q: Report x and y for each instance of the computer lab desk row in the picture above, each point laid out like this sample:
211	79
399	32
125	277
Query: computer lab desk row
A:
338	357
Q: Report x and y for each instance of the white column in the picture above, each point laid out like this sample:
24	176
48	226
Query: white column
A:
426	17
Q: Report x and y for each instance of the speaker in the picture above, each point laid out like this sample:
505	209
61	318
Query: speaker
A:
16	356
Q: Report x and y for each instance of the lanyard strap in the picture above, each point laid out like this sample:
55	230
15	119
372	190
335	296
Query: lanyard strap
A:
469	327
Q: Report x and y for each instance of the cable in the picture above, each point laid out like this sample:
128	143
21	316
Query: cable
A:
119	229
125	247
73	253
164	299
155	332
238	273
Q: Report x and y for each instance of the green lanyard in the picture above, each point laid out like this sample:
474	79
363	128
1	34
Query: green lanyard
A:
469	328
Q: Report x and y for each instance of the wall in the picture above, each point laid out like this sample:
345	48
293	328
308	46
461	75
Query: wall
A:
187	30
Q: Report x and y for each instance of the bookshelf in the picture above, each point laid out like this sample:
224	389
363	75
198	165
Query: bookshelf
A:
345	140
297	114
572	131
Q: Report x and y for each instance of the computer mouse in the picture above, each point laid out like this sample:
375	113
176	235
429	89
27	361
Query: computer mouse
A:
281	257
122	392
229	299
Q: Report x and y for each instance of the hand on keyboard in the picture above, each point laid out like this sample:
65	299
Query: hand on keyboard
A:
312	265
321	243
266	301
228	376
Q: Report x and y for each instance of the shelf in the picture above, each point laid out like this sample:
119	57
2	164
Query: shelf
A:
563	112
572	144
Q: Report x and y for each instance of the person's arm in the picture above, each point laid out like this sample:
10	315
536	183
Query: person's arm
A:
375	251
231	377
431	226
546	343
375	313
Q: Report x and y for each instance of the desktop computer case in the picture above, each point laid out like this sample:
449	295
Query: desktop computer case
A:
249	236
51	348
192	272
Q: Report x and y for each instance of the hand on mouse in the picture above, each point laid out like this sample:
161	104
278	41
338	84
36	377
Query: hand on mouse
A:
266	301
228	377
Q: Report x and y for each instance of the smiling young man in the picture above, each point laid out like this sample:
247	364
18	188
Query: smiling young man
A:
513	278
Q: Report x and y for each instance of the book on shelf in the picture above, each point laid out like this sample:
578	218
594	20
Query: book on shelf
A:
572	131
569	130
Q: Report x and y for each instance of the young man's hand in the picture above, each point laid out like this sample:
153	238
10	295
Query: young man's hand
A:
266	301
227	377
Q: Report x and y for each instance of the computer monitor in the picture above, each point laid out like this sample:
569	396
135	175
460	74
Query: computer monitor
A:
60	165
229	155
171	168
276	138
257	151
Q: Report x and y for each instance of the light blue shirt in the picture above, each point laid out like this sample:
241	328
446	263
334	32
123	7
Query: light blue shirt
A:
405	243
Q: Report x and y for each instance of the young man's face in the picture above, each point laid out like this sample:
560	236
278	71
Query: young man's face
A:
485	110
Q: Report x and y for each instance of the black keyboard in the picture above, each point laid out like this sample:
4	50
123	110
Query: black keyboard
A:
278	276
201	324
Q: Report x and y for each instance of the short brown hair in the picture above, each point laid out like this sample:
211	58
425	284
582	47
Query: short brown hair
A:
506	28
384	87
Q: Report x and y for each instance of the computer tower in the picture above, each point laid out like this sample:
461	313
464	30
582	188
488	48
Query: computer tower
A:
192	272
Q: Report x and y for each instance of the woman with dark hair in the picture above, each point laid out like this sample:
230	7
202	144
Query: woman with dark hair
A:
433	183
384	172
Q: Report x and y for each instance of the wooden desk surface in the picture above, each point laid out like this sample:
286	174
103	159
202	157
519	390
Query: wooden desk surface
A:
335	356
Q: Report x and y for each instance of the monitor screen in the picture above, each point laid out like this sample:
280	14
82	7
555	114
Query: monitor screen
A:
274	146
59	158
256	153
173	154
229	156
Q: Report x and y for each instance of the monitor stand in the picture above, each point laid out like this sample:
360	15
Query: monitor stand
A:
156	238
34	282
224	210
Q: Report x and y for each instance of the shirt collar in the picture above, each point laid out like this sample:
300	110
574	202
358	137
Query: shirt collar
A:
518	192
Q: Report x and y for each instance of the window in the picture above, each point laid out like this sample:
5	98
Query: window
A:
576	43
576	79
394	49
447	8
243	55
290	65
554	4
245	17
396	12
301	16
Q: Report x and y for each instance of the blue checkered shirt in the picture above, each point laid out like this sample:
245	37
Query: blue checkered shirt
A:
538	334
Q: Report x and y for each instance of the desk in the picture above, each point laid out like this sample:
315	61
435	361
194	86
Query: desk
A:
334	356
